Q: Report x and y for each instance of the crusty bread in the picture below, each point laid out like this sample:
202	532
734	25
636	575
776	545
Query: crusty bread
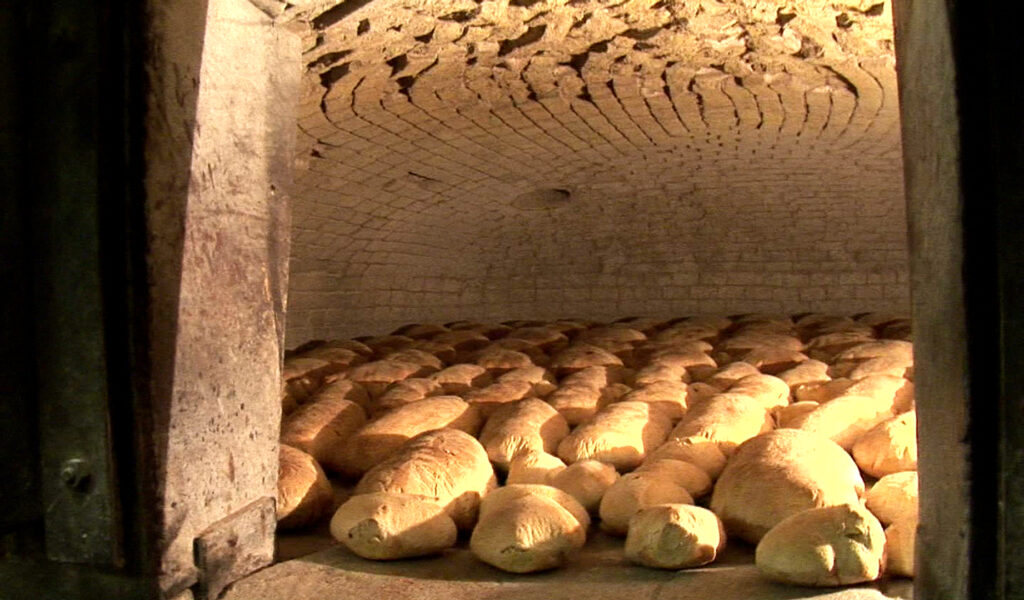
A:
344	389
893	497
460	378
723	378
385	526
828	546
844	419
585	480
674	536
533	466
380	438
529	424
791	414
673	397
727	419
405	392
772	360
900	543
579	356
581	395
304	494
528	528
698	451
542	380
323	428
778	474
377	375
499	360
808	373
622	434
657	372
684	474
445	464
889	447
770	391
633	492
491	398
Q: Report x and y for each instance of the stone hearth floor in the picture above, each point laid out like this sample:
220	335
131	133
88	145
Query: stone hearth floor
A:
313	568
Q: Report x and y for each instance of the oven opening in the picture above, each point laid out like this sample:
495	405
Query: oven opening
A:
483	189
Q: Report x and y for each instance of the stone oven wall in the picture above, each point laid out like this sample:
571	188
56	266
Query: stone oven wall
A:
514	158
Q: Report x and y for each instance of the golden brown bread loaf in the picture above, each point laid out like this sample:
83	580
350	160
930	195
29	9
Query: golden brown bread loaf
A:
489	399
304	495
536	355
533	466
579	356
789	415
386	526
674	536
844	419
884	365
846	361
778	474
581	395
698	451
633	492
808	373
771	360
404	392
622	434
889	447
826	346
542	381
726	419
893	497
381	437
447	465
656	372
698	364
529	424
385	344
585	480
377	375
445	352
528	528
339	358
501	360
673	397
684	474
323	428
727	375
548	339
344	389
420	331
460	378
822	392
828	546
416	357
771	392
900	544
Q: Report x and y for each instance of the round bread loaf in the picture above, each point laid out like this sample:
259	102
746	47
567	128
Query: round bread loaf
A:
622	434
697	451
323	428
447	465
458	379
828	546
380	438
844	419
889	447
405	392
498	394
673	397
542	380
304	495
770	391
674	536
791	414
686	475
585	480
633	492
900	543
894	497
529	424
528	528
727	419
725	377
386	526
533	466
781	473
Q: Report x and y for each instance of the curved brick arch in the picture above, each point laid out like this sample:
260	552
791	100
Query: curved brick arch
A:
718	156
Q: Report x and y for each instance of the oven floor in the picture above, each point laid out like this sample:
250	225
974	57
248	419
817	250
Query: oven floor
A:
599	572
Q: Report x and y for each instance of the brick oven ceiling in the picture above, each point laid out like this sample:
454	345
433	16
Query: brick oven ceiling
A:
433	131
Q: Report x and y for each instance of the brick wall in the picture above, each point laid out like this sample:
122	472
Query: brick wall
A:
708	162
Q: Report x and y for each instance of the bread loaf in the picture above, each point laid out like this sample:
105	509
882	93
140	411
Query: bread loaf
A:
380	438
889	447
771	392
844	419
343	389
622	434
386	526
323	428
404	392
585	480
807	373
828	546
542	381
579	356
726	376
633	492
498	394
727	419
791	414
377	375
533	466
582	394
304	495
674	536
461	378
673	397
893	497
501	360
900	543
686	475
447	465
697	451
528	528
529	424
778	474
